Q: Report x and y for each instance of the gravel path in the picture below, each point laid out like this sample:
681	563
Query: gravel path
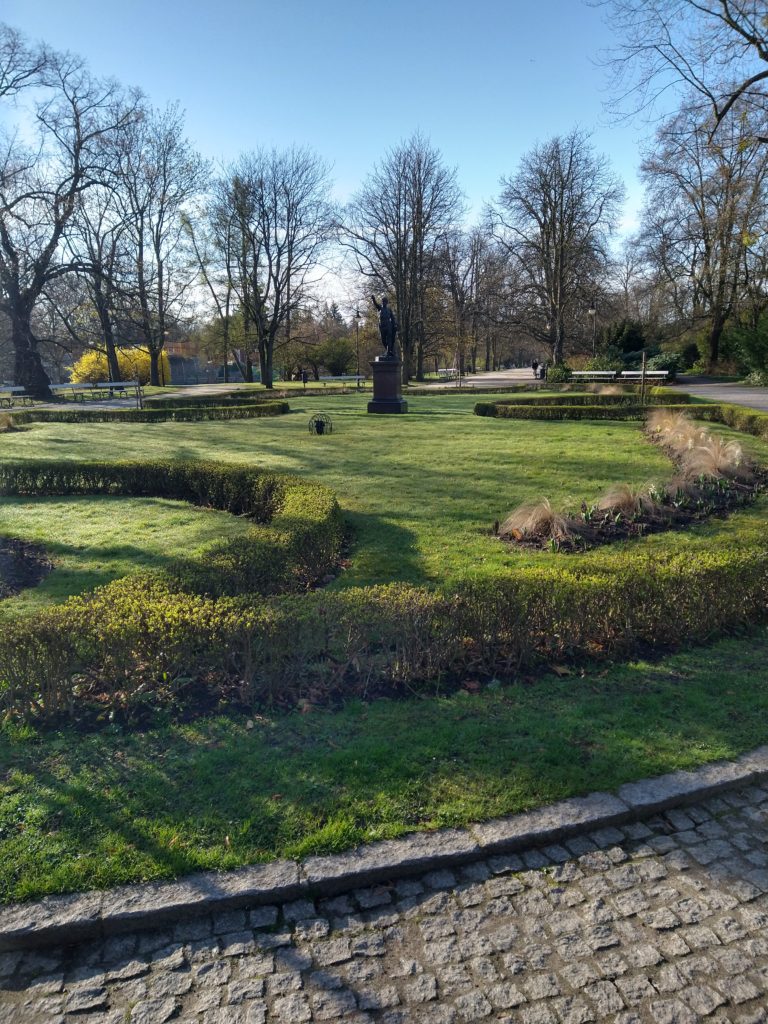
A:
664	922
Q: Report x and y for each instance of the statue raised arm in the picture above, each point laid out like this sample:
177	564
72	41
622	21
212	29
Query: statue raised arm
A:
388	327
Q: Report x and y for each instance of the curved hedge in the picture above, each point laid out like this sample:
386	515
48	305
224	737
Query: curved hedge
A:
220	627
153	415
298	540
540	410
144	639
611	407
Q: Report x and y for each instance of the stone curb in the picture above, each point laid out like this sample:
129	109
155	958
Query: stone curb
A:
61	920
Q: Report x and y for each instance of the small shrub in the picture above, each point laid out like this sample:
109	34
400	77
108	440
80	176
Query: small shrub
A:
559	374
134	364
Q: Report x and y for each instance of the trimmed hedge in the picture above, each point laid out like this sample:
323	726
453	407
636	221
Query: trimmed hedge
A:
143	640
535	411
657	396
299	539
154	415
748	421
226	400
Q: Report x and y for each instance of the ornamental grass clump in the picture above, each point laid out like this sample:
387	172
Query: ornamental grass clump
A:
675	430
535	520
628	500
714	457
6	423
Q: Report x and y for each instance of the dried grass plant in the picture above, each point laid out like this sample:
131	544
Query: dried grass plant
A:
713	456
535	520
628	500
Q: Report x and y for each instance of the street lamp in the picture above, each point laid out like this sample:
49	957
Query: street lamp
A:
592	311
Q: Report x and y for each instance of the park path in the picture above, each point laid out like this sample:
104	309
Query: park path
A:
662	922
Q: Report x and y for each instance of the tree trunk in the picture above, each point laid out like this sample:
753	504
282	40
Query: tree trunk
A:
713	341
154	367
113	366
28	366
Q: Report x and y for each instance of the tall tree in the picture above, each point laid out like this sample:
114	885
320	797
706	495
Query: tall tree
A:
159	175
279	220
396	227
705	208
41	183
554	218
715	48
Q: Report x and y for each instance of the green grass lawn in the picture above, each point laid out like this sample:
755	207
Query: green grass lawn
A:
420	493
81	811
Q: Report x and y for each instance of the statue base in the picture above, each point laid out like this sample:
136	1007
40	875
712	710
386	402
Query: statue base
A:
387	397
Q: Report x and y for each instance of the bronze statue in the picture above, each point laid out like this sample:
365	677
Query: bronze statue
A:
388	327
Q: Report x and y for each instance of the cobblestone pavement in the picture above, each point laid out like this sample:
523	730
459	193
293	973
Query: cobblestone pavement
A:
663	922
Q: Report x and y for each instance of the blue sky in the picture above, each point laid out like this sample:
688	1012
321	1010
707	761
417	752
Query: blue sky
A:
484	79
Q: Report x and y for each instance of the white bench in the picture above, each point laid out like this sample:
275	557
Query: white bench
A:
10	393
649	374
593	374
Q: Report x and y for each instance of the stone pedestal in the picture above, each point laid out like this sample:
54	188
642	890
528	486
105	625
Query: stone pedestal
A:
387	396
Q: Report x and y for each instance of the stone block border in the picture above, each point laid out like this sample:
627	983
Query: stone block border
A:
62	920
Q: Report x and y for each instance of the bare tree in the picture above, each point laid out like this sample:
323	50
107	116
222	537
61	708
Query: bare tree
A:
554	219
396	227
159	174
705	208
275	219
716	48
40	184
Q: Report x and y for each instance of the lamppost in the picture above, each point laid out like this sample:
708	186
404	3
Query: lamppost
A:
357	344
592	311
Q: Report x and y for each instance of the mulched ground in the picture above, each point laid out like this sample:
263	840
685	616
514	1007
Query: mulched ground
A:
22	565
713	500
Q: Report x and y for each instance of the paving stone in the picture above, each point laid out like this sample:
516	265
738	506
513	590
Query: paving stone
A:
702	999
621	926
421	989
153	1011
672	1011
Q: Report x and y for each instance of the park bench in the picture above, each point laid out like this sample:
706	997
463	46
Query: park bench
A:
346	379
649	374
122	387
10	394
605	375
77	391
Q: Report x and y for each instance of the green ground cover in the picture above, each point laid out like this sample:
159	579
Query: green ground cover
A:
81	811
420	492
95	540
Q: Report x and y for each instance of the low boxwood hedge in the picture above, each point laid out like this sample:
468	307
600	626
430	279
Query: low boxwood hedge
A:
144	639
656	396
152	415
298	539
535	410
586	407
222	401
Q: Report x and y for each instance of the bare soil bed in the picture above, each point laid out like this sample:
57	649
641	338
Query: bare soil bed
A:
22	565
